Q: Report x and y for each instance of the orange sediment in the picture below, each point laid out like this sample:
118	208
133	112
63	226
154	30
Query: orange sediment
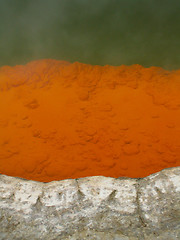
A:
60	120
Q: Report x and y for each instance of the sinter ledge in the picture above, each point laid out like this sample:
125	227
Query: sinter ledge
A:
91	208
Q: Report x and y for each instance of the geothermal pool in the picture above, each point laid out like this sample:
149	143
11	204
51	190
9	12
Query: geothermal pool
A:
89	95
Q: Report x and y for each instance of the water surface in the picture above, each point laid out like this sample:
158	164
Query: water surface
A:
101	32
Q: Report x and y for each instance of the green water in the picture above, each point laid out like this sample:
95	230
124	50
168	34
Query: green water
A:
101	32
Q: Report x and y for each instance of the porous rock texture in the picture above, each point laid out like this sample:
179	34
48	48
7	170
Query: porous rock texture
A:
91	208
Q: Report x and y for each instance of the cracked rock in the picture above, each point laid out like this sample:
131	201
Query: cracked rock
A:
91	208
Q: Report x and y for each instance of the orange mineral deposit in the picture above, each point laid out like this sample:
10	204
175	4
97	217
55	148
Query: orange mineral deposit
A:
62	120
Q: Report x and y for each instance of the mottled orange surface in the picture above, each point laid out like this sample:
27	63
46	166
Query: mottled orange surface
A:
60	120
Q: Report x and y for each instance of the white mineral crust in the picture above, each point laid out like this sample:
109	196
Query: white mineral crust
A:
91	208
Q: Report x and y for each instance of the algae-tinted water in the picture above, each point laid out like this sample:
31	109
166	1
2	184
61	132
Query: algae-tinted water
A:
101	32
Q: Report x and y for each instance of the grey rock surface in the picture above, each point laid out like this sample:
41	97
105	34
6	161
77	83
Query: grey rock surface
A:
91	208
